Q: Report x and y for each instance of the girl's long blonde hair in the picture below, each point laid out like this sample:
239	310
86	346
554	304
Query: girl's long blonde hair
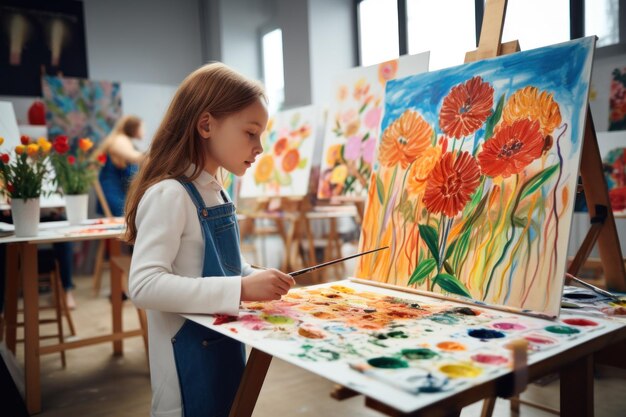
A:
213	88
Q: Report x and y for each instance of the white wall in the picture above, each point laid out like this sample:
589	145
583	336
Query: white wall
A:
332	41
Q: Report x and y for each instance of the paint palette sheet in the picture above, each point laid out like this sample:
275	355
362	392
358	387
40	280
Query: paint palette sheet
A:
402	349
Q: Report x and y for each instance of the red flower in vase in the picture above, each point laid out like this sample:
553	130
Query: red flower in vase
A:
466	108
60	144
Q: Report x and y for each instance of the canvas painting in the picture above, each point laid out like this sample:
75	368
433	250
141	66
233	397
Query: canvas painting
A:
284	168
478	167
617	100
352	130
403	349
81	108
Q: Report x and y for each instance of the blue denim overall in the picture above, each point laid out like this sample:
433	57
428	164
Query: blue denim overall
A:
209	364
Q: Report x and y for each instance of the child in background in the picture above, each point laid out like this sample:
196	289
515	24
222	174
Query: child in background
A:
122	162
186	257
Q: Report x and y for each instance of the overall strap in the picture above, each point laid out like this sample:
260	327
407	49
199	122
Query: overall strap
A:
193	193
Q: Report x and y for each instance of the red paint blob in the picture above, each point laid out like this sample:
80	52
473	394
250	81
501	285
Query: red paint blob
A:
580	322
539	340
489	359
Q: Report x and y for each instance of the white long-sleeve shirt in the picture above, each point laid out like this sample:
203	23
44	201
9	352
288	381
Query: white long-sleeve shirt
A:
165	278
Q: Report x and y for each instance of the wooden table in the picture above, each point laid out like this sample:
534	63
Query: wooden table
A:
21	259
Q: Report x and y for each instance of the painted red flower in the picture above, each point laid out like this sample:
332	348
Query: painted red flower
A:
466	108
280	146
617	196
451	183
511	149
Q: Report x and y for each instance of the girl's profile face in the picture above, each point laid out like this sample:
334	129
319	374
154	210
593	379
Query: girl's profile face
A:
234	141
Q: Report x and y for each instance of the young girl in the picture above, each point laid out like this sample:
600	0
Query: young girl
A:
186	257
122	162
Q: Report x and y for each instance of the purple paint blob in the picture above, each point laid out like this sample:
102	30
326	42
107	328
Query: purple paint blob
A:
508	326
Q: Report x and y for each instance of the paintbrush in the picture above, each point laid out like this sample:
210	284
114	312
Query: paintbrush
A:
593	288
325	264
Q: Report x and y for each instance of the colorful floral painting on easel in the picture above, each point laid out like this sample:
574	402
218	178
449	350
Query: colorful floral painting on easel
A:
617	101
614	165
284	168
353	125
478	171
80	108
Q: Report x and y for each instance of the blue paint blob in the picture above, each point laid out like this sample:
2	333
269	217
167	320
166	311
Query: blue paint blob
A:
485	334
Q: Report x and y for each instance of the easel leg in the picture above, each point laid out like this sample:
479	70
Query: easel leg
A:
577	388
251	384
488	405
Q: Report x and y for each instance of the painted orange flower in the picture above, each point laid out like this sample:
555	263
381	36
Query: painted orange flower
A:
404	139
280	146
511	149
466	108
264	169
291	160
529	103
421	168
387	71
451	183
333	154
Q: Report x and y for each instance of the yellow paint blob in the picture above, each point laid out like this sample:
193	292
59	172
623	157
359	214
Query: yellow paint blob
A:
461	370
341	288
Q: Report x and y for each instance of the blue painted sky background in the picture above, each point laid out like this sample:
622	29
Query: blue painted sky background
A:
563	70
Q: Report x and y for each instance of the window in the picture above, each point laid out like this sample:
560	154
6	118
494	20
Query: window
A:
378	31
602	20
432	26
273	70
537	23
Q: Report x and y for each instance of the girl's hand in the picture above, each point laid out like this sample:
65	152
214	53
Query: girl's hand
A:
266	285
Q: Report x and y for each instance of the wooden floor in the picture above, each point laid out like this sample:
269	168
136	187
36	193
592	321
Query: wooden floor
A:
97	384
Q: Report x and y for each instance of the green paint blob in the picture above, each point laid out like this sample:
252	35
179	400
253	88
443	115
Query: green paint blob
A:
277	319
387	363
398	334
444	319
418	353
562	330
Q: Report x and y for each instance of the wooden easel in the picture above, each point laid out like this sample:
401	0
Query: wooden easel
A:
603	228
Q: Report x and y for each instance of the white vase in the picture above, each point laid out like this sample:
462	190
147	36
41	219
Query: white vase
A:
76	208
25	215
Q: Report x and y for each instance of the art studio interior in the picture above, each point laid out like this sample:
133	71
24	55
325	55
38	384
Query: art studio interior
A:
312	207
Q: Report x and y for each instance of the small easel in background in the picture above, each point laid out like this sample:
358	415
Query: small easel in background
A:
602	230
